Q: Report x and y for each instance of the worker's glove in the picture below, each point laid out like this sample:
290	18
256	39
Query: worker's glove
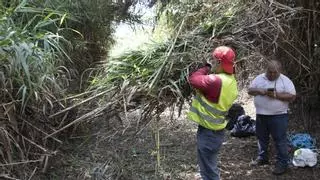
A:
208	63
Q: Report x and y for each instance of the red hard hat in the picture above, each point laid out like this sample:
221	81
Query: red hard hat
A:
226	55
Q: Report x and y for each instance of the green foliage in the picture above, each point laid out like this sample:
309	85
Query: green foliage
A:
209	18
31	54
92	25
45	42
161	71
153	70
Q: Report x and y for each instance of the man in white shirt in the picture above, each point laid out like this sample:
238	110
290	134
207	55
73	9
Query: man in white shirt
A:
272	93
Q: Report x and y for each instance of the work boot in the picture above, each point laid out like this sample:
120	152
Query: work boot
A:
259	162
278	170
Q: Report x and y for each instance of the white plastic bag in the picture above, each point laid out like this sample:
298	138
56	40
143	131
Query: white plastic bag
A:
304	157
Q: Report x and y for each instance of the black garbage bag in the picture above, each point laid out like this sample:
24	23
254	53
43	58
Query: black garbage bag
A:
234	112
244	127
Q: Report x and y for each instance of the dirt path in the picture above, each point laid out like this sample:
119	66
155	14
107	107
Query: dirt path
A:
131	154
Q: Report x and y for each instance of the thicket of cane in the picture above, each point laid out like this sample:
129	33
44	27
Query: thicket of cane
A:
156	79
259	31
45	46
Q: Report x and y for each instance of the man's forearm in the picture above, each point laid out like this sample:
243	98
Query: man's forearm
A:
199	78
256	91
285	97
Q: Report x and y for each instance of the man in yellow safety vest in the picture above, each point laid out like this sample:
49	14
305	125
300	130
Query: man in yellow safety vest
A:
215	94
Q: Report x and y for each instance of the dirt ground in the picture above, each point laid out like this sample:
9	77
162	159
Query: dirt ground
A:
131	154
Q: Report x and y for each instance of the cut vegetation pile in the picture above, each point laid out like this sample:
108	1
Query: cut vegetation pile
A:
156	78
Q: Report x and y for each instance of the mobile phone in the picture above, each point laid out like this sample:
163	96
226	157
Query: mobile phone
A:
270	89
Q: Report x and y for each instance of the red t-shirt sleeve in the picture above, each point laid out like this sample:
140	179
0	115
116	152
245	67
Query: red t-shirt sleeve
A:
208	85
200	78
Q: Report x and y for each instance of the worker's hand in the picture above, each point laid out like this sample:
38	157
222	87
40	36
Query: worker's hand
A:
272	94
208	63
262	92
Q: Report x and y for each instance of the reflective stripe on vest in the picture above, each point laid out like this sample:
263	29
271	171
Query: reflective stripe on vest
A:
208	107
207	117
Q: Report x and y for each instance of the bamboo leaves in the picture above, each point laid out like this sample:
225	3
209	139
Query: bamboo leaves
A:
37	42
160	72
28	52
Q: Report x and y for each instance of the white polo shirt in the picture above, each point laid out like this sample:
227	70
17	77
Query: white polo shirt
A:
269	106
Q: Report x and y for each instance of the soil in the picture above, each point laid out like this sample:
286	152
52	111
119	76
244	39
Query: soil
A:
131	154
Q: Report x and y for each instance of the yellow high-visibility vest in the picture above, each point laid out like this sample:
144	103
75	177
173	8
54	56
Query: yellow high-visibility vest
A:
212	115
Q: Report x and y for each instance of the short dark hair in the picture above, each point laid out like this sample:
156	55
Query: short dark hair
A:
274	63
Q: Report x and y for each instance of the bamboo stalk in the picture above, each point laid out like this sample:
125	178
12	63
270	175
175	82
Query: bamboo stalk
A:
33	143
33	172
21	163
83	117
84	101
75	96
157	138
5	140
36	128
7	177
167	57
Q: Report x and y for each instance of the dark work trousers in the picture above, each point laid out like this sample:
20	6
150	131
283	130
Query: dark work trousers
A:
208	144
276	125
